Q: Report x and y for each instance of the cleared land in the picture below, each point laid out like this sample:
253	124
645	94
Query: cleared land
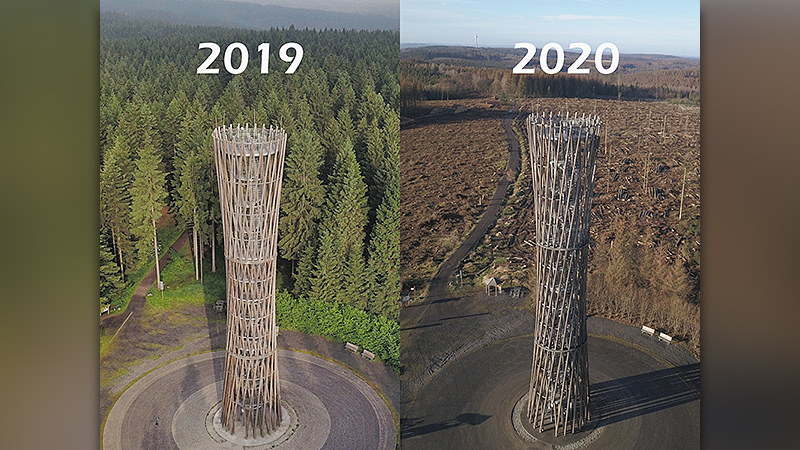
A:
639	177
453	161
645	262
451	165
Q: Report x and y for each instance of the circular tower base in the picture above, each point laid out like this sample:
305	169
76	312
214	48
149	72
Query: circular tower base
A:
177	406
529	433
279	435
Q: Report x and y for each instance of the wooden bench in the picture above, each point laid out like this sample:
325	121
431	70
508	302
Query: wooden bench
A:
352	347
368	354
219	305
664	338
648	331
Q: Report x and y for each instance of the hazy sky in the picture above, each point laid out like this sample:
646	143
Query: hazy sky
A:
388	8
634	26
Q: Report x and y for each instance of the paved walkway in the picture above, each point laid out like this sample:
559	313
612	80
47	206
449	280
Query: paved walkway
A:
437	305
145	415
468	361
639	401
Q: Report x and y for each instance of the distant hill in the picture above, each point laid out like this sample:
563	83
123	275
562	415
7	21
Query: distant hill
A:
433	72
507	58
245	15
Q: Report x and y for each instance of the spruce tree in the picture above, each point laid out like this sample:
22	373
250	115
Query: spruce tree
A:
384	258
110	110
210	212
148	198
384	245
137	125
328	277
302	115
342	234
347	201
186	201
302	195
189	176
305	270
115	201
370	145
171	128
203	94
343	95
233	100
315	86
339	132
110	276
356	282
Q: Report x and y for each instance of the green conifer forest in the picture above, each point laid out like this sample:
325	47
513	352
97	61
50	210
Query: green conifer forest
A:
338	234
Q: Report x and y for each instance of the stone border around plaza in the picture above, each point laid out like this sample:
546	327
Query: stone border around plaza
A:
308	427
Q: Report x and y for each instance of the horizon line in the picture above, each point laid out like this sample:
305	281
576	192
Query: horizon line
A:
511	46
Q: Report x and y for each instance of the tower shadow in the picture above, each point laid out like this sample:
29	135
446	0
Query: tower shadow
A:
216	321
415	426
629	397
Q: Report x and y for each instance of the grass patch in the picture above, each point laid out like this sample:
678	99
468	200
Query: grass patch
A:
180	286
104	340
167	236
108	377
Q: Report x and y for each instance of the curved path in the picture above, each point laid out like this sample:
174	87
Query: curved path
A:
335	408
111	323
462	386
415	318
639	401
439	285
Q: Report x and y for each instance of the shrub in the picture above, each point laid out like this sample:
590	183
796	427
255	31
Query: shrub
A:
342	323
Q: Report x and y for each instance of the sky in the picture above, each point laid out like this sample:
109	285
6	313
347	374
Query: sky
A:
670	27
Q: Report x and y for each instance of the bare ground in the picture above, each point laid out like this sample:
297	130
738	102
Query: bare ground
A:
451	164
448	324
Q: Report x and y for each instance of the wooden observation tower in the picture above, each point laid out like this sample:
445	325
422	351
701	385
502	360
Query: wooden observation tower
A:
249	173
563	150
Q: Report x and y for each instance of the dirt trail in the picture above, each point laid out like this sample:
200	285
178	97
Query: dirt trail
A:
419	321
439	285
110	324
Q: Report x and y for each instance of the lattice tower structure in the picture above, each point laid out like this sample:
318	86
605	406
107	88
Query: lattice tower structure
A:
563	150
249	164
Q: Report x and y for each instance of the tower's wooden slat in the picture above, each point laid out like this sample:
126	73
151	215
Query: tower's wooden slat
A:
563	151
249	174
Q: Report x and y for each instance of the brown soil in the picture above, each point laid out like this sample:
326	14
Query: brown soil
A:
451	164
634	149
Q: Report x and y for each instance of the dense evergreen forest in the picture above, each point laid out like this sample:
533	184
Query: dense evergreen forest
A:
339	209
